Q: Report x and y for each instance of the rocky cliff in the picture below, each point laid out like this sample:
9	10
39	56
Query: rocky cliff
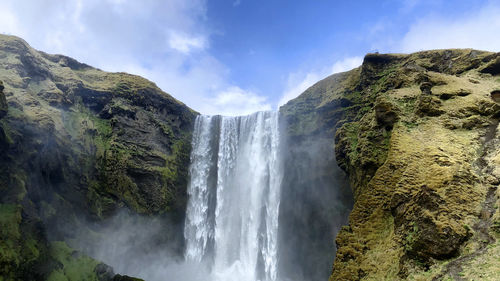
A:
416	134
418	137
77	145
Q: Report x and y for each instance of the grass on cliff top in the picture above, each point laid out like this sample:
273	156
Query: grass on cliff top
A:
124	84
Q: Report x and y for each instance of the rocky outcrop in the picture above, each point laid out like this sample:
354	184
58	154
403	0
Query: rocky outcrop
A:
79	144
418	136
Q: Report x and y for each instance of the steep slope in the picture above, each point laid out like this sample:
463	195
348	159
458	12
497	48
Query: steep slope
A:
76	145
418	136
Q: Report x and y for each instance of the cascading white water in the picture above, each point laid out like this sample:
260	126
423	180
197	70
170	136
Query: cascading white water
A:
234	196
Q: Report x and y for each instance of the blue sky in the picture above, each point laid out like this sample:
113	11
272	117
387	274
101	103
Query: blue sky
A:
238	56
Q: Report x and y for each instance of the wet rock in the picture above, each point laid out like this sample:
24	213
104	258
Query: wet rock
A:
104	272
119	277
426	87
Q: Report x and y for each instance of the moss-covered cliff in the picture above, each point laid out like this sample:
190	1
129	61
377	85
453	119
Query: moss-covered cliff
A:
418	136
78	144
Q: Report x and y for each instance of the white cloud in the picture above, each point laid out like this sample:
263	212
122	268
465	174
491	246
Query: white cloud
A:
236	101
478	30
299	82
8	22
346	64
164	41
168	42
185	43
220	97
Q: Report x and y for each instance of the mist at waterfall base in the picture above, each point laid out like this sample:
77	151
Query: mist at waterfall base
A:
262	206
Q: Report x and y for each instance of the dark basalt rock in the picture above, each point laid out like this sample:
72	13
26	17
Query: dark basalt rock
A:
104	272
3	102
426	88
386	113
493	67
379	59
125	278
495	95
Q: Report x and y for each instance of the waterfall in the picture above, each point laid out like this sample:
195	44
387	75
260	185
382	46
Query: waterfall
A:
234	196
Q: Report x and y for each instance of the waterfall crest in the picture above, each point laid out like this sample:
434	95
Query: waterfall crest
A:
234	196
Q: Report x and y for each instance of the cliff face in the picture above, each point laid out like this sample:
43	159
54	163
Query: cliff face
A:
78	144
418	136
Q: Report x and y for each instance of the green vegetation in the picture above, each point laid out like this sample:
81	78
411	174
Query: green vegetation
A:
73	265
411	237
10	218
85	127
19	251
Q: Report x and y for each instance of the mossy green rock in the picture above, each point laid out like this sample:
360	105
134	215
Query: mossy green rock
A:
418	136
80	144
73	265
129	140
